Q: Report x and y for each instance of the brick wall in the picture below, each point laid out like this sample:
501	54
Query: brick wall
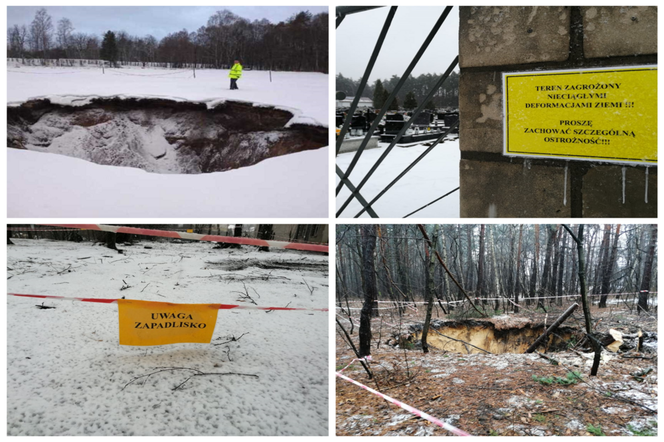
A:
493	40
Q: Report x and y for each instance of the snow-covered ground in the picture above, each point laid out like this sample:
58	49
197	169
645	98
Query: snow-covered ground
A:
49	185
66	370
306	92
431	178
294	185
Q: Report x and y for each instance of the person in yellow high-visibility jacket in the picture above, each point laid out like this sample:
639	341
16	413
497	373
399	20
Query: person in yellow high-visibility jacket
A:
235	74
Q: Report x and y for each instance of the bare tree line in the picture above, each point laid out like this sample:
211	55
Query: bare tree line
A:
297	44
535	264
418	87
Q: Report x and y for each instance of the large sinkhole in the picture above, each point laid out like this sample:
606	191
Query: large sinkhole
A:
495	336
160	135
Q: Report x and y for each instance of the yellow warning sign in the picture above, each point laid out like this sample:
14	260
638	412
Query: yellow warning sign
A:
586	114
161	323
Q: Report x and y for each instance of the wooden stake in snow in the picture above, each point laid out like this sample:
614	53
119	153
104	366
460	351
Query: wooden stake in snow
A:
552	328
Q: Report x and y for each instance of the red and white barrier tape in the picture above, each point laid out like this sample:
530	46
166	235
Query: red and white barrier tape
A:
366	358
406	407
221	306
357	320
322	248
535	298
403	306
43	229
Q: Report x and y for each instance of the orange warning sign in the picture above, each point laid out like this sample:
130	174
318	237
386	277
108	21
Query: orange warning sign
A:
144	323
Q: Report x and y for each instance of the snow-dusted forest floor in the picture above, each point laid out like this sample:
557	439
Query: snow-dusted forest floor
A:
68	375
499	394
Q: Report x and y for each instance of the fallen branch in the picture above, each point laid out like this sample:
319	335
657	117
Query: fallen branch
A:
636	357
42	306
69	267
244	296
198	373
311	290
548	358
552	328
233	339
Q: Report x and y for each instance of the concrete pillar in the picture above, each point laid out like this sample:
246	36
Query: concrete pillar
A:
494	40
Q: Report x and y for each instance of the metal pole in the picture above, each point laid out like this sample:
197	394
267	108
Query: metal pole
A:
391	97
359	197
431	93
365	78
407	169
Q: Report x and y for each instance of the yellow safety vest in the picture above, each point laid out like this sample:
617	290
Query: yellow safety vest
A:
236	71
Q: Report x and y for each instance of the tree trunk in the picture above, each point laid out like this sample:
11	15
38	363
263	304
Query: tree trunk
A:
444	278
557	256
603	262
608	270
533	273
429	268
510	269
480	267
266	232
561	270
109	240
369	286
469	258
517	280
647	271
496	283
582	278
546	272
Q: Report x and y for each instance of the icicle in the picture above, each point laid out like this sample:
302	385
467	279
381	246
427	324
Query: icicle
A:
647	184
565	187
624	171
526	165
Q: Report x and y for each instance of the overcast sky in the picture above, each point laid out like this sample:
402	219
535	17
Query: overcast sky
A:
357	35
144	20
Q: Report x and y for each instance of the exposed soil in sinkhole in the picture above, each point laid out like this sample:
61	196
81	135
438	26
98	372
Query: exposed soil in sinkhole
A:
470	336
160	135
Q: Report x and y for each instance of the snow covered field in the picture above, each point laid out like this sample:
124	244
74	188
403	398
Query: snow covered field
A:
49	185
431	178
306	92
293	185
66	370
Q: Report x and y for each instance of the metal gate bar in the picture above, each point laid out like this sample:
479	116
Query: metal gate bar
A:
344	181
392	95
396	139
343	11
359	196
365	77
434	201
406	170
